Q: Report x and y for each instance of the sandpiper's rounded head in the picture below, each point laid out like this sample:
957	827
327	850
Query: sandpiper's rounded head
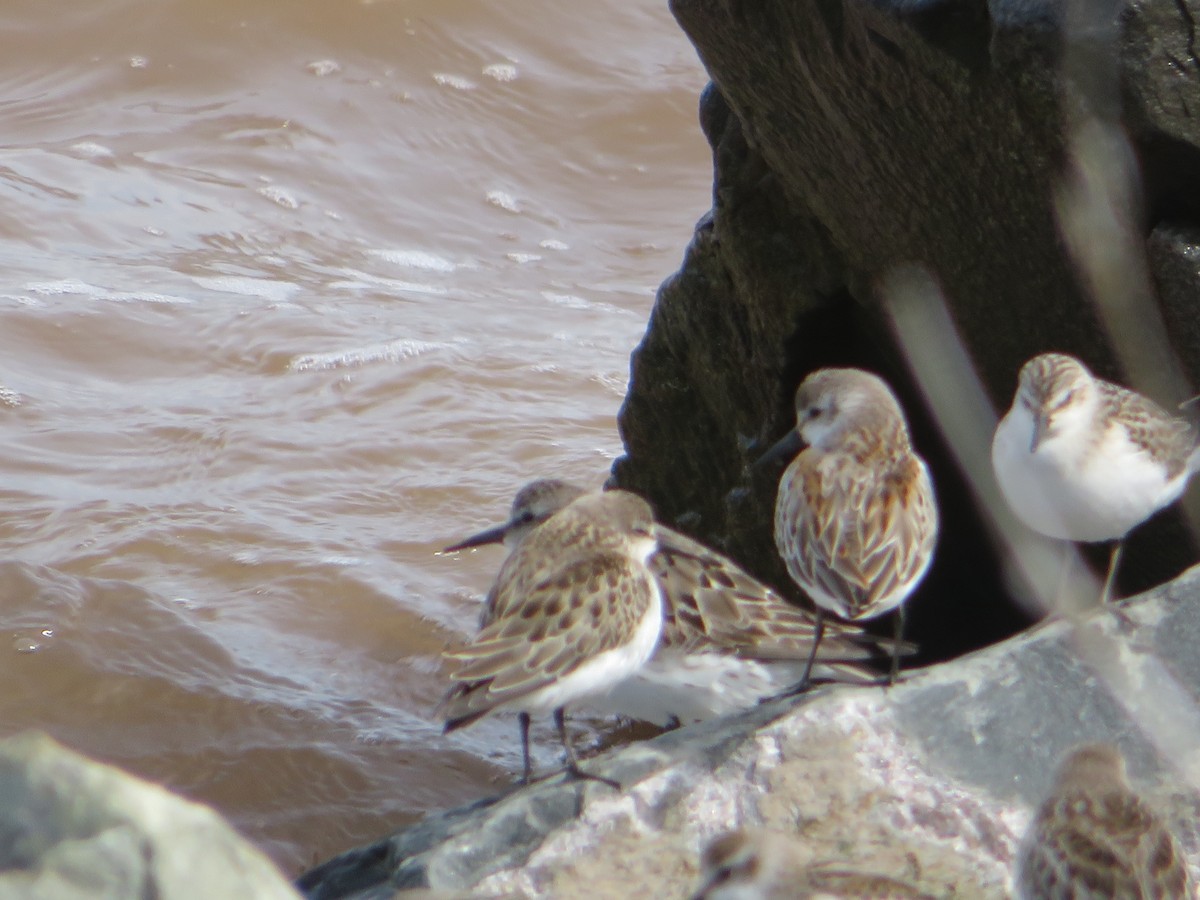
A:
1090	768
832	402
1094	836
1059	392
615	521
734	867
535	503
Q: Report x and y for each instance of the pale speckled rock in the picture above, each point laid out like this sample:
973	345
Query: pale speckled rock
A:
73	828
931	781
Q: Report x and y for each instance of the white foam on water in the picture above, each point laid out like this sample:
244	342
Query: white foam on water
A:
323	67
416	259
501	71
574	301
363	282
71	286
281	196
92	150
614	382
343	561
267	288
391	351
66	286
504	201
458	82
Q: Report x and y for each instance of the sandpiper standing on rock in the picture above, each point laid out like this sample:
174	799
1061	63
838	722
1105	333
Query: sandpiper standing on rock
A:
1082	459
855	516
573	612
1094	837
728	640
763	865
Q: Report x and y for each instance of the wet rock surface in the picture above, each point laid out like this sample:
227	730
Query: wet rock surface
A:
931	781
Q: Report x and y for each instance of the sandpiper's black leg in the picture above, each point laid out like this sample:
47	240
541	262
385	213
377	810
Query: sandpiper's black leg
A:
899	635
812	654
560	719
523	722
1110	580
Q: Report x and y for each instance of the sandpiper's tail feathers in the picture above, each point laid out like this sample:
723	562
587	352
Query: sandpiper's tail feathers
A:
454	724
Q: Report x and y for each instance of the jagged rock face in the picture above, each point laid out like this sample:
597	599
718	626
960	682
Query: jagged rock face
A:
931	781
851	137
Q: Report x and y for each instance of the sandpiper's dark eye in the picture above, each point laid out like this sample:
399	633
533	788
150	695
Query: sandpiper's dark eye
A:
811	413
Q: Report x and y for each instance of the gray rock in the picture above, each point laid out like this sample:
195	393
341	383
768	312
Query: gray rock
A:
932	780
74	828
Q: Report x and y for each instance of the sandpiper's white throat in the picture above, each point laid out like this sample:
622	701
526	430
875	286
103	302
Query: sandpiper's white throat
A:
1094	837
573	612
1082	459
728	640
855	515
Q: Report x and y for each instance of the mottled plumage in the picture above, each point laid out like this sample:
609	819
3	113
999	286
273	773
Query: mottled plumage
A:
1081	459
728	640
1093	838
573	611
855	516
762	865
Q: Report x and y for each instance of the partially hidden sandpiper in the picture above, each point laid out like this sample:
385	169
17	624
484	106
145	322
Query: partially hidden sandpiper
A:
1081	459
728	640
1093	838
752	864
855	516
573	612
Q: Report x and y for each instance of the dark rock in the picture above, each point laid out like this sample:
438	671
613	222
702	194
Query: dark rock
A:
852	137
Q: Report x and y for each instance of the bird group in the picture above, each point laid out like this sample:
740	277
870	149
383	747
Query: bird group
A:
599	605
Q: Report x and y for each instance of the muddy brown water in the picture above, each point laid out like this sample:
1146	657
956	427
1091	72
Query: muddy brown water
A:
293	295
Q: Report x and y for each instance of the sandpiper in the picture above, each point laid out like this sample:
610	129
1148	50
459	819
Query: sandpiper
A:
1082	459
728	640
855	516
573	612
1093	837
763	865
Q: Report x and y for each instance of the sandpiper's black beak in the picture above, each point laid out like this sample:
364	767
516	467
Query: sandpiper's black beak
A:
783	449
491	536
1039	432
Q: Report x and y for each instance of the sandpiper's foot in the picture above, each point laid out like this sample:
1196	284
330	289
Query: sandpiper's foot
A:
572	770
